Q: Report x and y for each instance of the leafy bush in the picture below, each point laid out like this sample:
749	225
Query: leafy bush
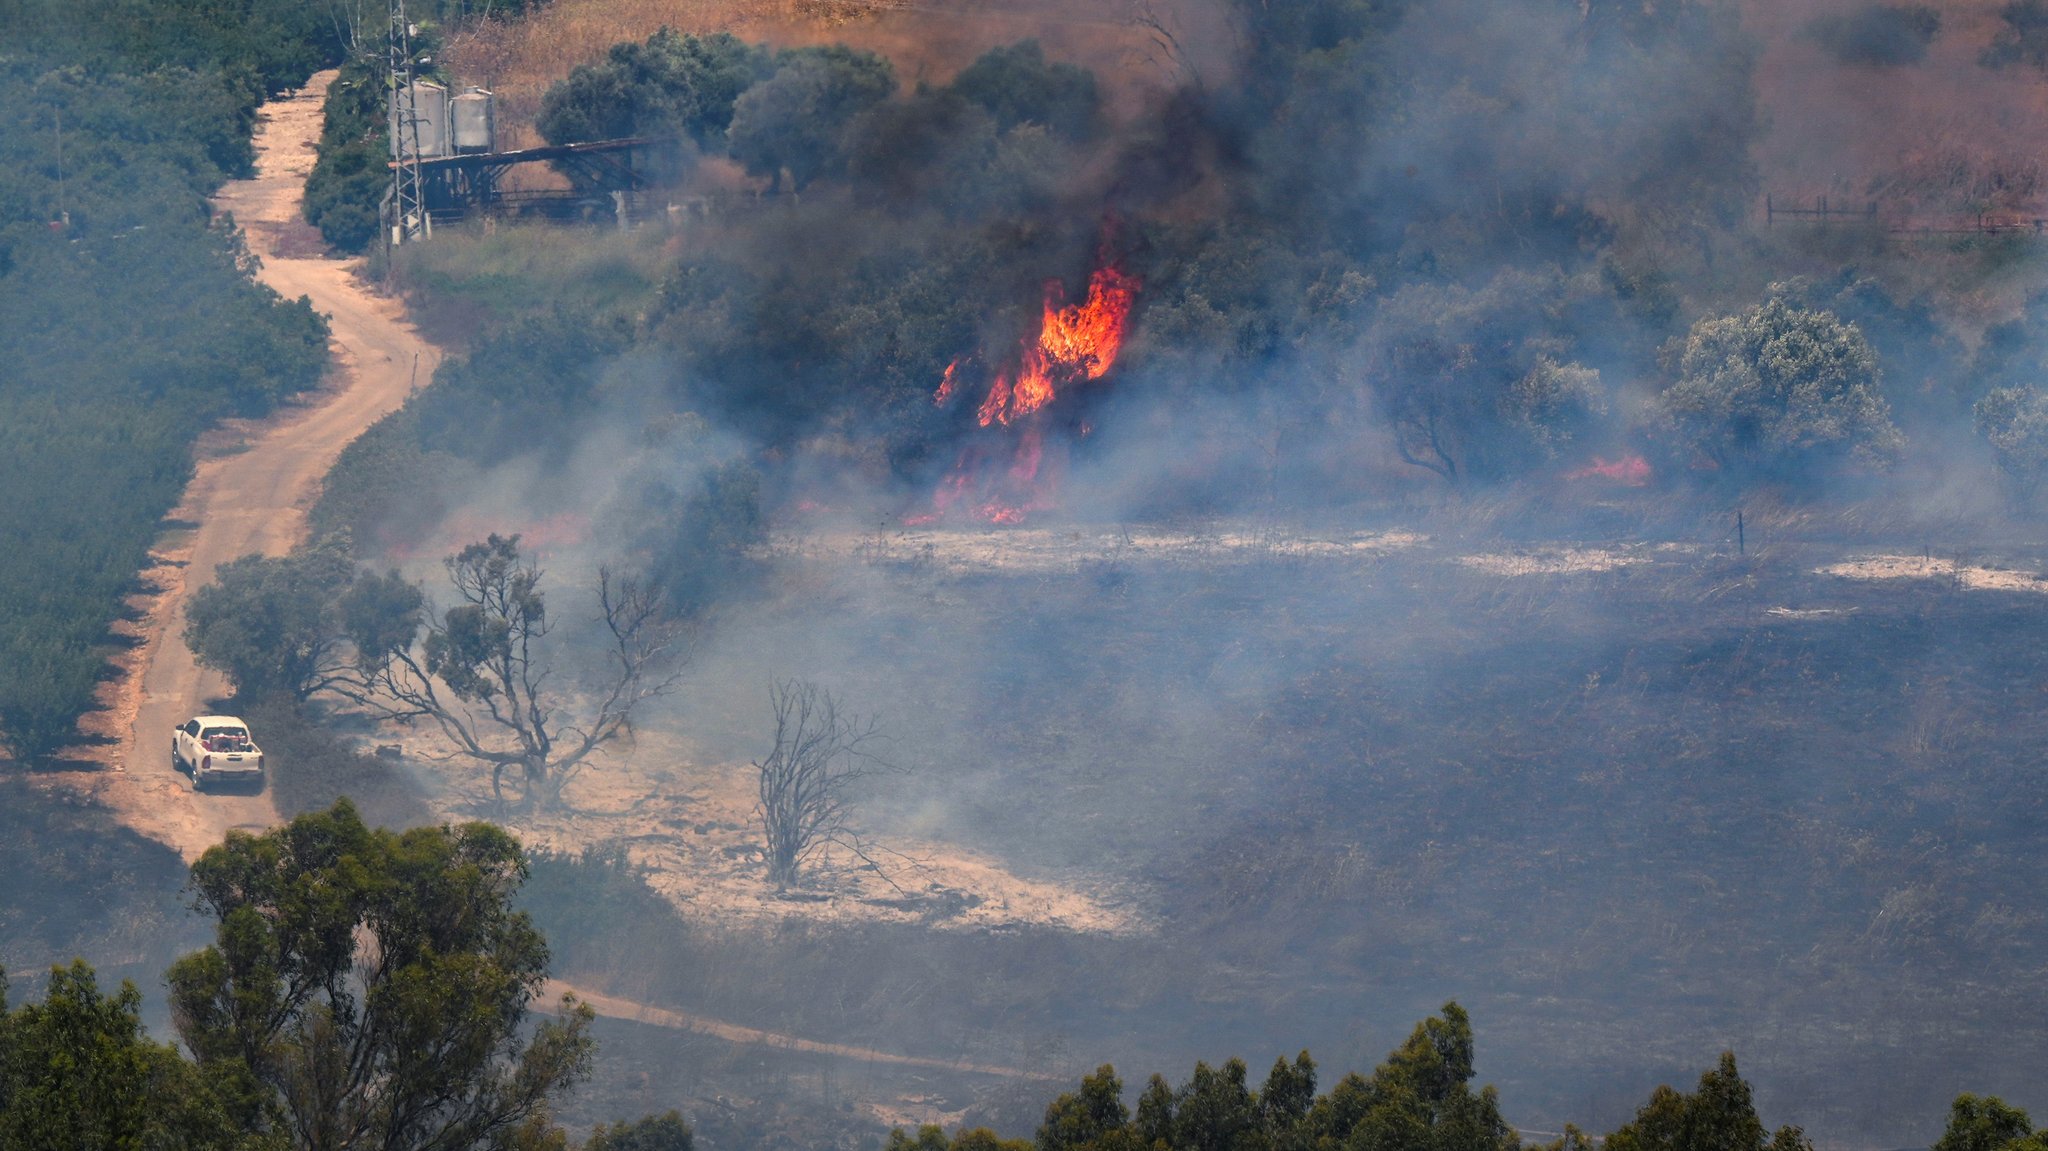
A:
1016	86
674	85
796	121
128	321
349	174
2014	421
1779	387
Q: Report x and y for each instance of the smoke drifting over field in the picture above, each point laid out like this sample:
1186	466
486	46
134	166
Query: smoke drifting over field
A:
1370	624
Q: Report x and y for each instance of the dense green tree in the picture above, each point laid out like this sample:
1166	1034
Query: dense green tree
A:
1420	1099
1470	380
2014	421
795	122
1214	1109
1777	388
1285	1100
1881	34
371	988
1719	1116
77	1072
1987	1123
1015	85
349	175
128	321
930	149
269	624
673	86
1083	1118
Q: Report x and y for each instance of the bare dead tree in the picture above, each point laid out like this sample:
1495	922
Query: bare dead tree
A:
1164	49
476	673
807	780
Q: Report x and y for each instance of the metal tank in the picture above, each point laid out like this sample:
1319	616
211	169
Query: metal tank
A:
430	113
469	117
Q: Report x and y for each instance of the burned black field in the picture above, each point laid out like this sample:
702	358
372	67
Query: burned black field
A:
1630	805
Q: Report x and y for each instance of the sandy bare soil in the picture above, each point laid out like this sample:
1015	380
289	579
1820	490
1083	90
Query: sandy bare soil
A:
613	1007
255	483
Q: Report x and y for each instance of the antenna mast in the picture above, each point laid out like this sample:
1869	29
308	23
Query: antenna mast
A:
409	220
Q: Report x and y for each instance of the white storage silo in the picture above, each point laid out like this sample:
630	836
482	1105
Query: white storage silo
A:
469	117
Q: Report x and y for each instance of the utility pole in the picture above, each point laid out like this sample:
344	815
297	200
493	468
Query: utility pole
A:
409	209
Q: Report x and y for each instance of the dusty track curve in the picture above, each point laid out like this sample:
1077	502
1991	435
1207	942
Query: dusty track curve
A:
613	1007
255	498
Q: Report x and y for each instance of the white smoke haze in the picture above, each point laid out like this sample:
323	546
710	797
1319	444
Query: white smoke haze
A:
1344	741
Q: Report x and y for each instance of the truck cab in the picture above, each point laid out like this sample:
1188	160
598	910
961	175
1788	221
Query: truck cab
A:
216	749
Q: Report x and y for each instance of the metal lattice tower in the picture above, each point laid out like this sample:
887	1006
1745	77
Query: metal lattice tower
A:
409	209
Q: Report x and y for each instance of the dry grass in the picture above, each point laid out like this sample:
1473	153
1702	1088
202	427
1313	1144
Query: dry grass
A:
927	42
1941	138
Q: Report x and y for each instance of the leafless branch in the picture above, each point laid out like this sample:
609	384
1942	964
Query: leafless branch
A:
806	781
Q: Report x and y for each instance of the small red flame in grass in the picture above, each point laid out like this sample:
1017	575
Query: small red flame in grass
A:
1632	470
1076	343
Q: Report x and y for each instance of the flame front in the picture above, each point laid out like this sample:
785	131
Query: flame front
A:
1632	470
1076	343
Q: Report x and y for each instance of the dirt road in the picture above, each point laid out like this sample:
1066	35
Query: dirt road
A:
255	486
612	1007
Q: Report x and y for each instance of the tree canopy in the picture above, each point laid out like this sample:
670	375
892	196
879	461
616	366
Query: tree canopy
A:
796	120
129	319
77	1071
673	85
371	988
1779	387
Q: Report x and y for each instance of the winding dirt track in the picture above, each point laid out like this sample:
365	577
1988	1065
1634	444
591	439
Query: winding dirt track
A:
613	1007
255	498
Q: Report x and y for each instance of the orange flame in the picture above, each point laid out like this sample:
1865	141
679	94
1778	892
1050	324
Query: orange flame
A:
1632	470
1075	343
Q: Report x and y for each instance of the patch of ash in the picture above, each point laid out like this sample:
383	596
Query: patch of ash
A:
1066	550
692	826
1967	576
1557	561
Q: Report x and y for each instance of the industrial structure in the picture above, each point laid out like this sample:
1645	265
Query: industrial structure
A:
445	165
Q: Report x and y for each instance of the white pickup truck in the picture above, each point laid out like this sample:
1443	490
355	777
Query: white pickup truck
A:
216	749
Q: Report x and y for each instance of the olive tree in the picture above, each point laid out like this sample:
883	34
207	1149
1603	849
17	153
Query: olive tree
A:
2014	421
674	85
1779	387
796	121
